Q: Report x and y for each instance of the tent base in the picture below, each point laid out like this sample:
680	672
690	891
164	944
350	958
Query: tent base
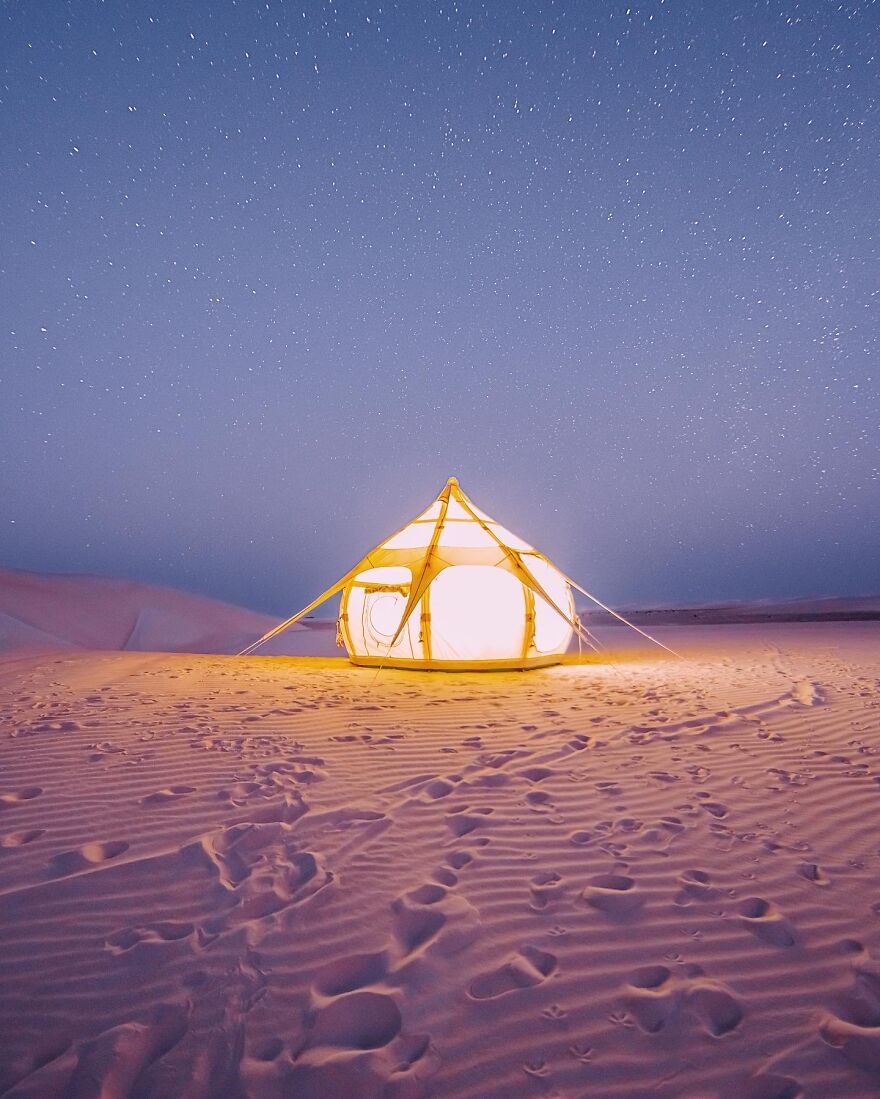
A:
516	664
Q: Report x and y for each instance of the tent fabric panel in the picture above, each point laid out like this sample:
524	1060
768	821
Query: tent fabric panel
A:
430	514
513	541
416	536
450	555
384	574
552	632
465	536
480	514
456	511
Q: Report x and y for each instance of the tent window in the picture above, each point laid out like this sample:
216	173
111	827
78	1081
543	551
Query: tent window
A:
383	611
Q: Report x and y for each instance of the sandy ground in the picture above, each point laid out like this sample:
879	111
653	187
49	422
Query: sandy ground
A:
271	877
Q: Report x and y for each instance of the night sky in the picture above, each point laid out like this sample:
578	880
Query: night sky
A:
270	273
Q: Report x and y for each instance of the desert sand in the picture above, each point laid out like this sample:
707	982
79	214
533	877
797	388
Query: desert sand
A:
271	877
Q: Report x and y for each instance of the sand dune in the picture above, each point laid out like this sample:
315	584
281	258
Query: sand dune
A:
46	611
18	636
271	877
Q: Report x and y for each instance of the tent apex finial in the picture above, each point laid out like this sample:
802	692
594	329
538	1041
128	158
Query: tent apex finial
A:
453	481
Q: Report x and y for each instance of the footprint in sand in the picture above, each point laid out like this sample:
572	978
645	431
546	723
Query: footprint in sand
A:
655	997
855	1031
351	973
766	1085
298	770
715	1007
354	1030
352	1045
695	886
525	969
439	788
167	931
11	800
102	750
491	781
56	727
715	808
766	921
545	887
536	774
239	793
426	894
536	1067
459	859
813	873
613	894
357	1021
853	1026
170	793
19	839
465	821
539	799
85	858
422	914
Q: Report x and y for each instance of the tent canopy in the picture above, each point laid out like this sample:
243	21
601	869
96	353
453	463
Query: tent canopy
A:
453	588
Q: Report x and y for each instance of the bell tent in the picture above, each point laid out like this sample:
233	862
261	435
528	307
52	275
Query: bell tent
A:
453	590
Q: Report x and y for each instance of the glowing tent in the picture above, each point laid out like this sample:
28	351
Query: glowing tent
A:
453	590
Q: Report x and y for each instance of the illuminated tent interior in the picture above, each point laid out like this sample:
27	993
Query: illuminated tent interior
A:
454	590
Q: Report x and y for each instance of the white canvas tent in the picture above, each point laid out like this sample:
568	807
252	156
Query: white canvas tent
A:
454	590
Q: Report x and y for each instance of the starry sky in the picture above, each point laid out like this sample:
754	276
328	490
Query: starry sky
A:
271	272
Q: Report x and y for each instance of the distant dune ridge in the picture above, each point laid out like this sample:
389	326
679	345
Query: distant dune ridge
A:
40	610
864	608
